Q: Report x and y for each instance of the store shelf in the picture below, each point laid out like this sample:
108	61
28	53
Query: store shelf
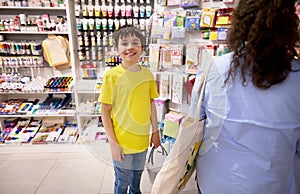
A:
89	114
33	8
35	89
38	92
37	115
88	91
33	33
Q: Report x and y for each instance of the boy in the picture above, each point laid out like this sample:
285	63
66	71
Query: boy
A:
128	110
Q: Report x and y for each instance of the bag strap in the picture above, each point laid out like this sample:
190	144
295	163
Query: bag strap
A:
202	87
151	155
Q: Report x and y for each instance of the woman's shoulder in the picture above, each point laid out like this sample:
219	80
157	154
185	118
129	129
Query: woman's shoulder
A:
220	65
223	59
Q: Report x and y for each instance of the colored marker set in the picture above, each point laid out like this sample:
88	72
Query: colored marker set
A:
88	70
34	107
59	83
55	103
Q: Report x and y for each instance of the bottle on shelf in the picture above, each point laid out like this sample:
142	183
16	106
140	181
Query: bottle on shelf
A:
128	10
91	24
142	11
91	8
60	23
99	54
85	24
122	22
104	24
110	10
65	26
87	53
24	3
80	39
98	24
105	39
97	9
52	25
84	9
18	3
104	10
117	10
117	24
86	39
123	9
77	8
93	54
110	39
11	3
93	39
98	39
129	21
79	24
110	24
148	9
136	10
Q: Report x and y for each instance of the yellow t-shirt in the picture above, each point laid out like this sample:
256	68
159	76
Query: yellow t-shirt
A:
130	94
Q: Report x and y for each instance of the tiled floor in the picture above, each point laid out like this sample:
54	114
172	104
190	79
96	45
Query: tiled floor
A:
62	169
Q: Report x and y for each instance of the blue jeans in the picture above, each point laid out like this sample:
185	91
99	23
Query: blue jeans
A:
129	172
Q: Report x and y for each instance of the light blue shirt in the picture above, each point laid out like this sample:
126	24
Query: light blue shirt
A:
252	137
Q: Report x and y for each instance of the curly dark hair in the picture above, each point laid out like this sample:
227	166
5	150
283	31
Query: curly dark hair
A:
262	37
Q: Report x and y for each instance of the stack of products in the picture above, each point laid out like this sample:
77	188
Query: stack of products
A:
38	131
56	105
59	83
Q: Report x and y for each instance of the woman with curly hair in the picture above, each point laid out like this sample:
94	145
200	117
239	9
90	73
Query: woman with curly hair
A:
251	103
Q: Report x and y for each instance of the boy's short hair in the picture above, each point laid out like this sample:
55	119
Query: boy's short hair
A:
127	31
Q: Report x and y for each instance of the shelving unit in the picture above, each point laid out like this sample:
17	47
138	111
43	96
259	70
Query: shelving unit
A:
95	49
42	72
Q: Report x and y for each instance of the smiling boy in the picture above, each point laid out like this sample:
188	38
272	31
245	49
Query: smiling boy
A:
128	111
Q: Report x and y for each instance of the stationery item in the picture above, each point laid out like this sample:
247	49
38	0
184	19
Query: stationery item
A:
180	164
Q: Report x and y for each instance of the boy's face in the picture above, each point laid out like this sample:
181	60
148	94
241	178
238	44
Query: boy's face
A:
130	49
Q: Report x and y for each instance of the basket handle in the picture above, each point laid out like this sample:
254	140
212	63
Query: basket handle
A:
150	158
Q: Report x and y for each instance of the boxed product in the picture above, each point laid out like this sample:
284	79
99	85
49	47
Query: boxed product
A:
171	124
54	135
161	108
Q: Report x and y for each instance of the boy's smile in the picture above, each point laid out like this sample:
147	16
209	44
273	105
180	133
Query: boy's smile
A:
130	50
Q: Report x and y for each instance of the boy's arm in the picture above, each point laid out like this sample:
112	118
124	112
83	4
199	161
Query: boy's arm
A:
116	149
155	138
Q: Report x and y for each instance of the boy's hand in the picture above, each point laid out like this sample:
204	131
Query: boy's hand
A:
117	152
155	140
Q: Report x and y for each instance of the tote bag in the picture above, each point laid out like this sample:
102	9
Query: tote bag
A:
180	164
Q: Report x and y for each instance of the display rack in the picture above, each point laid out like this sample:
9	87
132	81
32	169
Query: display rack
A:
96	21
29	31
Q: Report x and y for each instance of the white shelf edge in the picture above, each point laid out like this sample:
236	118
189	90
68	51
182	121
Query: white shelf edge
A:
33	8
32	33
88	91
89	115
38	115
39	92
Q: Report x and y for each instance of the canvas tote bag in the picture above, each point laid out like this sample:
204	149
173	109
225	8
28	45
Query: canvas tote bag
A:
180	164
